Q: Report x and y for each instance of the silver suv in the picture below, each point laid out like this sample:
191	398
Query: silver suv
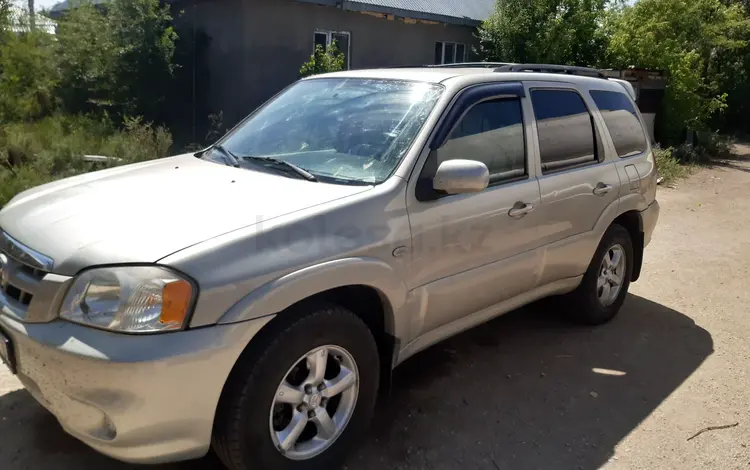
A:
254	297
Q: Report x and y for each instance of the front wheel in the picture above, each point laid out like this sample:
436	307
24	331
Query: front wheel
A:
303	402
605	284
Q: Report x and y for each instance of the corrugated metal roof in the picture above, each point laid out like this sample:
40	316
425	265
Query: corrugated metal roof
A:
468	12
471	11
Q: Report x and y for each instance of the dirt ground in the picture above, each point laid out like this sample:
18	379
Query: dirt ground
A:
528	391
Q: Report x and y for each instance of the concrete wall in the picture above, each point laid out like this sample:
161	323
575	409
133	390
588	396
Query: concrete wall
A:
257	46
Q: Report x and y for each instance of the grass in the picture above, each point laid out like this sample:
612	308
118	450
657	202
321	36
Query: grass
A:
49	149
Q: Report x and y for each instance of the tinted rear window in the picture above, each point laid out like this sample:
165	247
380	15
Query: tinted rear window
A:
566	134
622	122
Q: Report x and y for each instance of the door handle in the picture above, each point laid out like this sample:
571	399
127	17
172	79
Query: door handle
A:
601	189
520	209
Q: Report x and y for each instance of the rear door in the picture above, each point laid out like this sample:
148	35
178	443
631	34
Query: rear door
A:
628	135
576	181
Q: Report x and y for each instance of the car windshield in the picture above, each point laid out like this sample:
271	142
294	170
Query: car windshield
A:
341	130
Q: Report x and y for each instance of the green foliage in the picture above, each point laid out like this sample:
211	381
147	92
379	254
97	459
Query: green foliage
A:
691	40
545	31
323	61
5	6
51	148
119	60
702	45
668	166
86	59
709	145
27	76
69	95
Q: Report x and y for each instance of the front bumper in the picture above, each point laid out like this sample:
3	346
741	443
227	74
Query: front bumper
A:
649	218
141	399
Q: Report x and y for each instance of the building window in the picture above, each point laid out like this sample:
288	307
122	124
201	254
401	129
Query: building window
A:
449	52
341	38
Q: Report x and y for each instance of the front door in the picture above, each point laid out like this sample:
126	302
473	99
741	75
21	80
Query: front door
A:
471	251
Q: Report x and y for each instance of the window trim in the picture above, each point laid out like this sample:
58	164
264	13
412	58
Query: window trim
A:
523	128
423	190
646	138
562	165
455	51
473	95
329	37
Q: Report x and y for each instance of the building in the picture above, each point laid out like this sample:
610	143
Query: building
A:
255	48
245	51
20	20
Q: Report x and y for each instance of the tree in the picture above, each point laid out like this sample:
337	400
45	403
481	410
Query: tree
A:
28	76
545	31
693	41
143	33
323	61
5	6
118	60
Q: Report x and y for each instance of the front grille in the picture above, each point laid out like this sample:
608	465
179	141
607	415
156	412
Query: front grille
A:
18	281
21	272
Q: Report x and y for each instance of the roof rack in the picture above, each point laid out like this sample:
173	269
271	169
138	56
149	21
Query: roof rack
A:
458	65
549	68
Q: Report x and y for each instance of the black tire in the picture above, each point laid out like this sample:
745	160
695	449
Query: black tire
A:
241	436
583	305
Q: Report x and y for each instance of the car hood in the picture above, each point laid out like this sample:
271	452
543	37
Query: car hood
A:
144	212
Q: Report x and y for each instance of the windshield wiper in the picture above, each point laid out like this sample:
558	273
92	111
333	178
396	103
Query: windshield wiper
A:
281	163
233	160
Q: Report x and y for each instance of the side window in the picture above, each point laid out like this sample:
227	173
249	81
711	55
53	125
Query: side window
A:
490	132
622	122
565	128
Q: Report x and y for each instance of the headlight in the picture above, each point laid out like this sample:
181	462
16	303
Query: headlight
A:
132	299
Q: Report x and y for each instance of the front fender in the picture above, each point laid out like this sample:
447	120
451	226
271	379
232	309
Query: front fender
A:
279	294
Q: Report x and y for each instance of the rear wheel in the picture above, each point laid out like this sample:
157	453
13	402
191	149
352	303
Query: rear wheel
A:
302	401
605	284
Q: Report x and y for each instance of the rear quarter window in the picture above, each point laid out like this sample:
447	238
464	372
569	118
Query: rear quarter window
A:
622	122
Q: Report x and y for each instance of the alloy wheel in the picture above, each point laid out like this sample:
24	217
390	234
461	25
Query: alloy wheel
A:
611	275
314	402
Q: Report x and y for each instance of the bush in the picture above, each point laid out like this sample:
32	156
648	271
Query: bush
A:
323	61
27	76
668	166
117	59
52	148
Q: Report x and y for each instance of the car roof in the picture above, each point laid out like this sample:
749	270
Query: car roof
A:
457	75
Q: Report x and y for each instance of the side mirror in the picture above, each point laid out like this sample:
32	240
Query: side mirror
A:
461	176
